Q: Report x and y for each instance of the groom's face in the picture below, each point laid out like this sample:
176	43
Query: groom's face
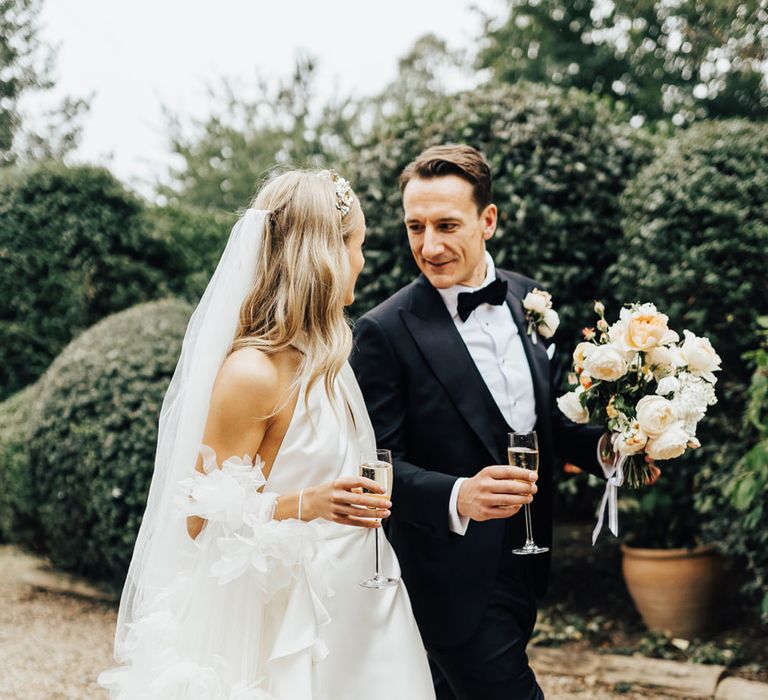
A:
446	232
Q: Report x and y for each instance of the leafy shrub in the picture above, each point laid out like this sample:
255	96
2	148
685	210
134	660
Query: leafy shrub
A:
696	244
195	239
737	498
17	508
559	160
74	250
93	436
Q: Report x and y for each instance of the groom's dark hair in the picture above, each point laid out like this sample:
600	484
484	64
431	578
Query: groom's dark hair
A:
453	159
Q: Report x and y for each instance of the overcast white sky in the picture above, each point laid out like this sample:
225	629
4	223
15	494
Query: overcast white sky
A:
135	55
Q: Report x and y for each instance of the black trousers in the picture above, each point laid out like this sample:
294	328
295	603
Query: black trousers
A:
493	664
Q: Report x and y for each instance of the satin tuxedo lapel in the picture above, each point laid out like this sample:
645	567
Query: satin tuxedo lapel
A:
433	330
536	354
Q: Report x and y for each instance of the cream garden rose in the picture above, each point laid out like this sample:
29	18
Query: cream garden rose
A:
606	362
664	360
654	414
669	444
537	301
700	356
551	321
571	407
582	351
641	329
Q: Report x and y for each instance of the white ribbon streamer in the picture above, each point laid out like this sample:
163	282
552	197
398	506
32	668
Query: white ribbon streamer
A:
611	494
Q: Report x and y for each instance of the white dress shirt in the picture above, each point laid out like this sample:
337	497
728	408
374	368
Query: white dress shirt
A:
494	344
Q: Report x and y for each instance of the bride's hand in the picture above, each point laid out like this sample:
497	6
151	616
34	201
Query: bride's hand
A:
341	501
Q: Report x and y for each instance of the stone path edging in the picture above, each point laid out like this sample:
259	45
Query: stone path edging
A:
674	677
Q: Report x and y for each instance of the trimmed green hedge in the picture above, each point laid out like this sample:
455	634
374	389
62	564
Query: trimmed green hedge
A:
17	507
737	499
195	239
74	250
93	436
560	160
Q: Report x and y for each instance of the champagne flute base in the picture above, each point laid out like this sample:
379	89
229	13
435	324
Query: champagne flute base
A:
379	581
530	549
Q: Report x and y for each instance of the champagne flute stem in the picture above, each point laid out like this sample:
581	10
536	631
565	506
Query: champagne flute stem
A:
528	525
378	573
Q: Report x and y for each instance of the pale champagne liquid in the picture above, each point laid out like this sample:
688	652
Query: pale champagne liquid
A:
381	473
523	457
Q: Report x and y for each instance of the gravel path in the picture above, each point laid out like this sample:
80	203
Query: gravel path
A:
53	646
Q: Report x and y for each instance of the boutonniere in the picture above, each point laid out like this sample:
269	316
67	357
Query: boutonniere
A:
542	318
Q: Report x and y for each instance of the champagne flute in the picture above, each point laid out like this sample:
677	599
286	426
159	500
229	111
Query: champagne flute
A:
523	452
377	466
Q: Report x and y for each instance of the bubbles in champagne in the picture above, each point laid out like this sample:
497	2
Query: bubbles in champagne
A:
523	457
381	473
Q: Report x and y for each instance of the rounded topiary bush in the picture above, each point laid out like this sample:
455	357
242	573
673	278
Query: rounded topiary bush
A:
17	506
93	436
74	250
559	159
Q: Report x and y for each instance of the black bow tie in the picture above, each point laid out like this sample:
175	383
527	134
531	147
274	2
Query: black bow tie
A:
494	293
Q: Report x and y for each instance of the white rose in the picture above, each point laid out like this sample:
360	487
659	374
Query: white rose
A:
536	301
667	385
617	334
571	407
606	362
549	326
581	353
700	356
633	441
654	414
670	444
664	360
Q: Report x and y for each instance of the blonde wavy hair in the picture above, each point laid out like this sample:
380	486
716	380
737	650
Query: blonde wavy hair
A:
303	274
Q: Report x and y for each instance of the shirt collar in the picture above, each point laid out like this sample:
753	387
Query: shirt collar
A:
451	294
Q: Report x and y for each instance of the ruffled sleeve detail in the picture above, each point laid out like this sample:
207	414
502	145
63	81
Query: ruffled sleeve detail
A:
284	567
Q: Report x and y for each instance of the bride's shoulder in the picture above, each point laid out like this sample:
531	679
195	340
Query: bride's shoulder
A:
252	376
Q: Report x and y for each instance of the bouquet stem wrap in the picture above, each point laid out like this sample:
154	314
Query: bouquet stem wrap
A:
611	494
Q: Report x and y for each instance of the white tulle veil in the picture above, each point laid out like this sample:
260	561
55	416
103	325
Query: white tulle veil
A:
162	542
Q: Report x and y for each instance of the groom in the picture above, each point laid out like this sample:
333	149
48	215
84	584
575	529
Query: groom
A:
447	367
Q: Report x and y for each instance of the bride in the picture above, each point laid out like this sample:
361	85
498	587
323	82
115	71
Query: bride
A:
244	578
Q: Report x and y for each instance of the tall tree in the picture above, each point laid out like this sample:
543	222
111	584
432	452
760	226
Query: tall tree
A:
26	66
667	59
223	157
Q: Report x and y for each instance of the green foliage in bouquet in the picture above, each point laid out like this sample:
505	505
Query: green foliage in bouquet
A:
559	160
737	498
696	243
17	505
74	250
93	436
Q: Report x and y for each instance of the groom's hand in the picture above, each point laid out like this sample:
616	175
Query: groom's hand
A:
497	491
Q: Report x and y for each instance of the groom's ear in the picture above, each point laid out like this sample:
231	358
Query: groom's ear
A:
489	216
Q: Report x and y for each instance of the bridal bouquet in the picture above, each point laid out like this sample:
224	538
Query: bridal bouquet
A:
646	386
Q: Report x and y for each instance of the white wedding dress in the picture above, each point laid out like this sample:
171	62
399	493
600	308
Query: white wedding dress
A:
265	609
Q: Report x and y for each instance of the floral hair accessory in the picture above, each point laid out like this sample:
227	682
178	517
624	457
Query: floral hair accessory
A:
344	196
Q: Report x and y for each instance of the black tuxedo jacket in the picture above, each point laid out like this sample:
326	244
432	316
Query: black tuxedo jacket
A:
430	406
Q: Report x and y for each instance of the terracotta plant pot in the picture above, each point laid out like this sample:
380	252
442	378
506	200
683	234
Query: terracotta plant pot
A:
675	590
